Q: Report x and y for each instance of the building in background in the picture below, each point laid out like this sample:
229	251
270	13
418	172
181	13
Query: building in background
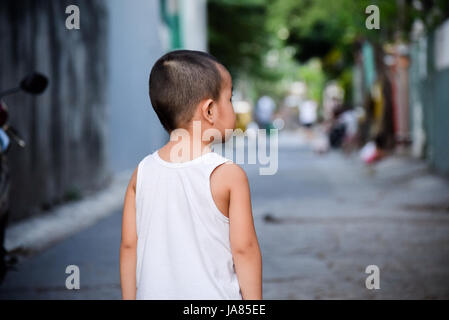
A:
134	44
411	103
429	97
184	24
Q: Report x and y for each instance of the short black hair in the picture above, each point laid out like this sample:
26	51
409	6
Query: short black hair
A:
179	80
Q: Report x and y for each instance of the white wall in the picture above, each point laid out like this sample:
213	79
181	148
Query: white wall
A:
193	20
134	45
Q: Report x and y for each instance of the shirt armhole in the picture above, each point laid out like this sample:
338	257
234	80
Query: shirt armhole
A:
139	174
137	202
217	211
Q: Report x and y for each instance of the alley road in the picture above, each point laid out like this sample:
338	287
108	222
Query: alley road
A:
321	220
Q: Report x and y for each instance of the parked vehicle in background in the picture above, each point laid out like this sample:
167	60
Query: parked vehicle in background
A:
34	83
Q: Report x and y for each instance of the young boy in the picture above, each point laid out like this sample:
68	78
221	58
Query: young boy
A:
187	229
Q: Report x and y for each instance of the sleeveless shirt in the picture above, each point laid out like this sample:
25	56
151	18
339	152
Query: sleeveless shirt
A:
183	246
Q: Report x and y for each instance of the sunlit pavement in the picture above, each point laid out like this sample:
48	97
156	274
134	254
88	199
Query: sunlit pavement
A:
321	220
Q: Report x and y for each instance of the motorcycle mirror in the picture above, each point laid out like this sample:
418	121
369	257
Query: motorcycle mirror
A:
34	83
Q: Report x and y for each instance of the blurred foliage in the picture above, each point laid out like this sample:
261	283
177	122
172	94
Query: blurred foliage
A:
236	34
271	41
312	74
345	81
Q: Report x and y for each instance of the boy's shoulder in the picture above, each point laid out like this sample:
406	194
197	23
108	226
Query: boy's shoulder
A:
136	175
147	160
230	173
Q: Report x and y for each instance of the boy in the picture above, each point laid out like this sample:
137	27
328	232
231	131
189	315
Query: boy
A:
187	228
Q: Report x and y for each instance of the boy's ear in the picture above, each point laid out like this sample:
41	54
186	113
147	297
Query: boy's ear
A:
207	111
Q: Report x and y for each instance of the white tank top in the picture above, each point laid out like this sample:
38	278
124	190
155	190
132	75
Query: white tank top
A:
183	247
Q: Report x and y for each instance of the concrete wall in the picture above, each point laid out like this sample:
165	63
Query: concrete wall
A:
439	142
64	128
133	129
193	18
429	96
95	118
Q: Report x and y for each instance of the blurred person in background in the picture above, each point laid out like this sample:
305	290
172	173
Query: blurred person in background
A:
337	128
308	113
264	112
290	108
308	116
350	119
332	99
289	111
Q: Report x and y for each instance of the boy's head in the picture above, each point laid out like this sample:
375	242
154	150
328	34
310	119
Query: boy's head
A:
187	85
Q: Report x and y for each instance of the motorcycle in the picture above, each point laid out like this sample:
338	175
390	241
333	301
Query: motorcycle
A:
35	84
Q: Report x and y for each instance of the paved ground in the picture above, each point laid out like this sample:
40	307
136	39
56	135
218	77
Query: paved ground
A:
320	220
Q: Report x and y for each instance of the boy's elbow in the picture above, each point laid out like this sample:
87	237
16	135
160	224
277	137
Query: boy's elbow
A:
248	248
128	245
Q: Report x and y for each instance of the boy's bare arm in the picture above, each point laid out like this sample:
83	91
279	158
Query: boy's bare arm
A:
244	244
128	245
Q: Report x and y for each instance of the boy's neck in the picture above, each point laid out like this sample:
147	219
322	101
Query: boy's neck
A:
184	145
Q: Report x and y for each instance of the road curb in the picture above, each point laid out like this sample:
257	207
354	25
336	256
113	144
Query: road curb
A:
37	233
